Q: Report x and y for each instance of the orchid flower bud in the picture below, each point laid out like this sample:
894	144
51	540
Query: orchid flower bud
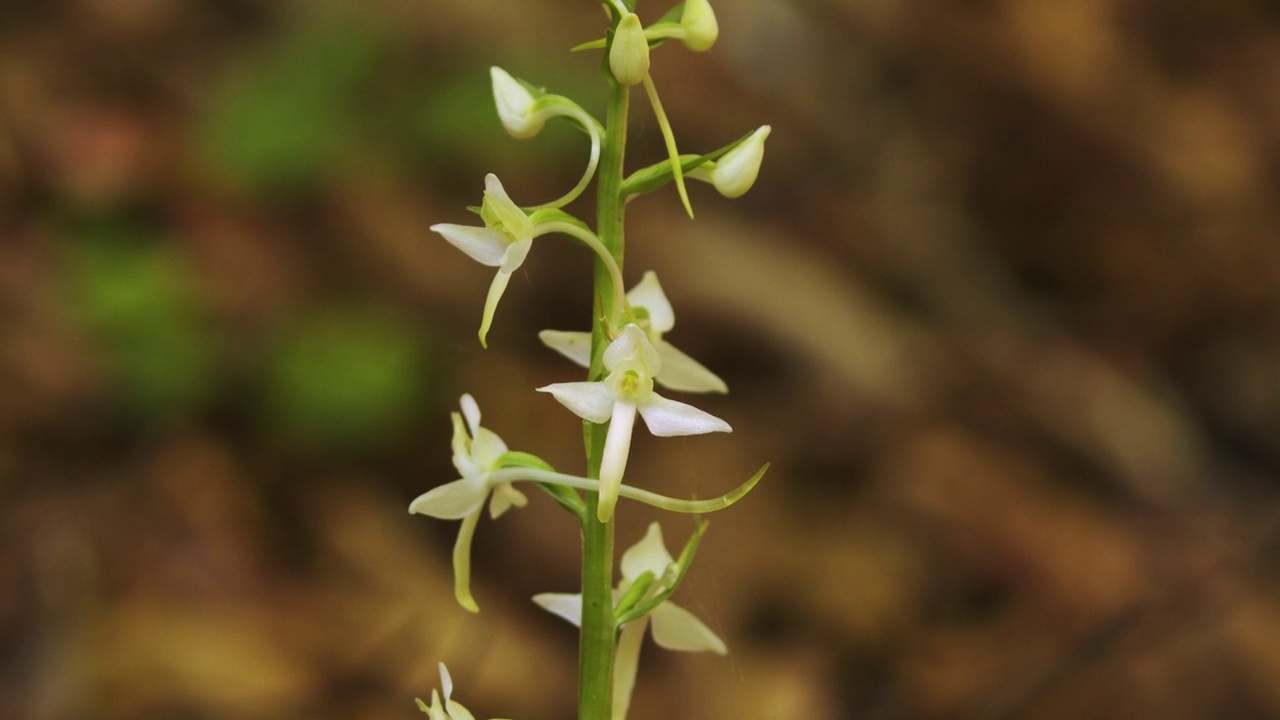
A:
515	105
735	172
699	23
629	54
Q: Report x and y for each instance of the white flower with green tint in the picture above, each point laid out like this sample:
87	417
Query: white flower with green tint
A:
476	451
503	242
507	236
450	709
735	172
656	317
632	362
674	628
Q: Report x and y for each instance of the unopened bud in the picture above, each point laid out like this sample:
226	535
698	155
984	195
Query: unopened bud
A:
699	23
735	173
629	54
515	105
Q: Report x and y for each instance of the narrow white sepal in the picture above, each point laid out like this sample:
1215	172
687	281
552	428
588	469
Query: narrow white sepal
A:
675	628
683	373
587	400
482	244
562	605
668	418
574	345
446	682
470	411
454	500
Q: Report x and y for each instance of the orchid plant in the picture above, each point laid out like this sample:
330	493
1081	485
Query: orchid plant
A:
626	355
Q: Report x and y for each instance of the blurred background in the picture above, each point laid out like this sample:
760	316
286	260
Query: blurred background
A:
1003	311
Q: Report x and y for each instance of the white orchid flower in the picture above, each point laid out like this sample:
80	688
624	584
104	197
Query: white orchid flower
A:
674	628
450	709
505	240
523	116
632	362
735	172
476	451
679	371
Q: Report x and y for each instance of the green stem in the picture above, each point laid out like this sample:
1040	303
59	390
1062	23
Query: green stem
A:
599	638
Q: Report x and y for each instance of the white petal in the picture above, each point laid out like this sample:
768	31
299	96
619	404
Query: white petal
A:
446	682
564	605
484	245
452	500
471	411
613	462
486	448
504	498
649	554
667	418
574	345
675	628
462	448
587	400
683	373
648	295
516	253
435	712
457	711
